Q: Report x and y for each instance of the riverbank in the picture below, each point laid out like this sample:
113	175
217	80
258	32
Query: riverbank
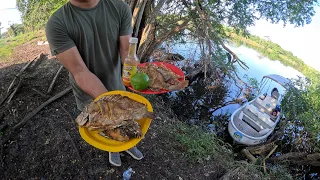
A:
53	148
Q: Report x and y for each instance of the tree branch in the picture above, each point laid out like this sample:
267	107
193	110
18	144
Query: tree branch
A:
19	74
137	16
298	158
235	58
54	80
35	111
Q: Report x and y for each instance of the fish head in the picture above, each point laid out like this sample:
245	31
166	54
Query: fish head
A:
82	118
86	114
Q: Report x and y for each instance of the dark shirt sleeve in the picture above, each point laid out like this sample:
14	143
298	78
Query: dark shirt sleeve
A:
125	26
57	36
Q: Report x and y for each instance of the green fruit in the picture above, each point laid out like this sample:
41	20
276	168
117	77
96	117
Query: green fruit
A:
140	81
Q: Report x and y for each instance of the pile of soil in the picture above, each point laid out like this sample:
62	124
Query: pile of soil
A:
30	50
49	145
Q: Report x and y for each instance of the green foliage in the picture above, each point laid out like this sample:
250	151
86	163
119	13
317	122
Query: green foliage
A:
243	13
279	172
274	52
35	13
200	147
254	84
302	106
198	144
7	44
15	29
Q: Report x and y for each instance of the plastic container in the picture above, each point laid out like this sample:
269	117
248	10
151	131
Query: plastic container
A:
127	174
131	62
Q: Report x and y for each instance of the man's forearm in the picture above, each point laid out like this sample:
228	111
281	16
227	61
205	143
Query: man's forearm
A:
90	83
85	79
123	54
124	47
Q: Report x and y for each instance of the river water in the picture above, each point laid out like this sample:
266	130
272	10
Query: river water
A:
258	67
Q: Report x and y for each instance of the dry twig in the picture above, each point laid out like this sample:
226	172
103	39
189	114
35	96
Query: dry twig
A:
14	91
35	111
40	93
5	97
54	80
36	63
18	75
71	118
252	159
264	159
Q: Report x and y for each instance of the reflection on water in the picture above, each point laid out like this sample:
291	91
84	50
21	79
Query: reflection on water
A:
196	103
258	67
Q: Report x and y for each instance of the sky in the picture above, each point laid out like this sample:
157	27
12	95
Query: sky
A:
8	13
303	42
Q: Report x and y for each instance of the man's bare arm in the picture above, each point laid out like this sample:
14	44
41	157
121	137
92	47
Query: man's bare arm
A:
85	79
124	47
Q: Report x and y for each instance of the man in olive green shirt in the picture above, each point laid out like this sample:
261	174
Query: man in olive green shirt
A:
90	38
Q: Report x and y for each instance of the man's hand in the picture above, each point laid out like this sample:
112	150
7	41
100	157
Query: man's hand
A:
85	79
124	47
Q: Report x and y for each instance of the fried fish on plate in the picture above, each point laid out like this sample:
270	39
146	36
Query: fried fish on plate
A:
162	77
125	132
111	112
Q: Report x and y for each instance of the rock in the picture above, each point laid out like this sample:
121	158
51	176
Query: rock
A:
192	121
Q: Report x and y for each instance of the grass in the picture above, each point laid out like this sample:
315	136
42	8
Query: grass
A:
8	44
201	147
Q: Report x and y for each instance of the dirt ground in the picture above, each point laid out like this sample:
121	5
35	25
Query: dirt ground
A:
49	145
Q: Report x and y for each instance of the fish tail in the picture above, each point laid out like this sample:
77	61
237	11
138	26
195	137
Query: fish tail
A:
149	115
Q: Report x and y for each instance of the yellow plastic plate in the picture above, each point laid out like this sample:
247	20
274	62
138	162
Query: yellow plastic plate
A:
106	144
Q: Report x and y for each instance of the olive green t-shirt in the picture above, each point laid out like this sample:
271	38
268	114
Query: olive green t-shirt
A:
95	32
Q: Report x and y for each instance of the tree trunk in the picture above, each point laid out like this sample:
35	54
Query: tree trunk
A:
298	159
131	3
260	149
137	16
149	31
152	45
148	36
144	14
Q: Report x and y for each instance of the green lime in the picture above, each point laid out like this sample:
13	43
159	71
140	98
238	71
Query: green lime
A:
140	81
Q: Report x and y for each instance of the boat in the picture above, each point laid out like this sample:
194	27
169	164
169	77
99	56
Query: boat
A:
254	121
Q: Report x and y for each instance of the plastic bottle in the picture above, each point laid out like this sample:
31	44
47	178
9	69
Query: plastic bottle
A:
131	62
127	174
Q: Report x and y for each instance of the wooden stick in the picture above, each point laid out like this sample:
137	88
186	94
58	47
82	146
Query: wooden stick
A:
68	135
264	167
4	98
264	159
1	116
71	118
54	80
275	147
19	74
14	91
72	143
249	155
40	93
35	111
260	149
39	60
